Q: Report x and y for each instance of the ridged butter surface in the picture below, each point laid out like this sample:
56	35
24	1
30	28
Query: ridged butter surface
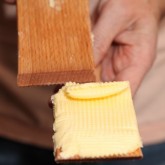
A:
95	120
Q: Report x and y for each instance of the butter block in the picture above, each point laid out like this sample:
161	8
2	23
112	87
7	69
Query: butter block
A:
94	121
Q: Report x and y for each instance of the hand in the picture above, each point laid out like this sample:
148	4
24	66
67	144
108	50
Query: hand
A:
125	38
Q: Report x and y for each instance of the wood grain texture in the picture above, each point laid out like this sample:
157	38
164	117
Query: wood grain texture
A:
137	154
54	45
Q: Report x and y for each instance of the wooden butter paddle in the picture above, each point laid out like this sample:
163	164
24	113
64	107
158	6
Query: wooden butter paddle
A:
54	42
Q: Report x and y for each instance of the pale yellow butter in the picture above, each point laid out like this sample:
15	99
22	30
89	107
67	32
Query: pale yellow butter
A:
95	120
